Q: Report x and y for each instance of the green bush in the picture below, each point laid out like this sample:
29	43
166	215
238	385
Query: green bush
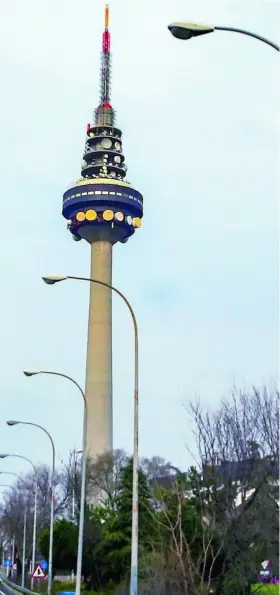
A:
63	586
265	589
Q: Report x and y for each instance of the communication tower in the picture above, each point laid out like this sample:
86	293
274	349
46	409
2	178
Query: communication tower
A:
103	209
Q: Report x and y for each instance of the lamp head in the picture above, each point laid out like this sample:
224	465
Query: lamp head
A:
30	372
12	422
186	30
52	279
3	456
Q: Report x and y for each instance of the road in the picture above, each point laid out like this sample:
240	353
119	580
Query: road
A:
4	590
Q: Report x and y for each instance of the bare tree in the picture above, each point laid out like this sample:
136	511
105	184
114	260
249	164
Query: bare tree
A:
104	475
13	517
186	545
71	480
157	467
22	496
238	446
243	431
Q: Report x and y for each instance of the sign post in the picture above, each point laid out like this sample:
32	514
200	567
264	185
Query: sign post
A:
7	564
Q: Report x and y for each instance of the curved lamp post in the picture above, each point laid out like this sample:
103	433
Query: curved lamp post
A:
4	456
83	479
185	30
28	423
51	280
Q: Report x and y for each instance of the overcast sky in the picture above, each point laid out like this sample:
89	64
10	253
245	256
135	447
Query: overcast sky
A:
200	122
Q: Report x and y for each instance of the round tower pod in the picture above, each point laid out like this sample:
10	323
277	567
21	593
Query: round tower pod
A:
85	203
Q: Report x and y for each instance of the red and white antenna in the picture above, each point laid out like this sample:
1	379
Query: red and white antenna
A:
105	87
104	114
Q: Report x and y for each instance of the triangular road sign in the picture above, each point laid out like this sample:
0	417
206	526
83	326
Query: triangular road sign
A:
38	572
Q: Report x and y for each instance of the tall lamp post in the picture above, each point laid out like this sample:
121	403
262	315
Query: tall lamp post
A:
4	456
83	479
28	423
185	30
51	280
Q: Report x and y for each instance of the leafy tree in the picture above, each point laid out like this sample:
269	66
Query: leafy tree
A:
115	545
93	562
65	539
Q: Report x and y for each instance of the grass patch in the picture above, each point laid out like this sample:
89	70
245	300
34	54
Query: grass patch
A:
265	589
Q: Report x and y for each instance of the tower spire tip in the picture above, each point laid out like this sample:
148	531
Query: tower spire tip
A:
106	16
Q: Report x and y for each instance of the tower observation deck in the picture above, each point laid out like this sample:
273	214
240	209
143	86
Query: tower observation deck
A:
102	208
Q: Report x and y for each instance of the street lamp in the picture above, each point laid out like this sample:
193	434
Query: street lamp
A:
28	423
51	280
4	456
185	30
83	479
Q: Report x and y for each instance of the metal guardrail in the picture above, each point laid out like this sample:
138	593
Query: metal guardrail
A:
13	587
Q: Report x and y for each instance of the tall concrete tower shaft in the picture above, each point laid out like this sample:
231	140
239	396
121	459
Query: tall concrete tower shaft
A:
102	208
99	351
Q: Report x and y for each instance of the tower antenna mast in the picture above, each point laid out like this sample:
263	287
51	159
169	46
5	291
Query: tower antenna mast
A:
105	75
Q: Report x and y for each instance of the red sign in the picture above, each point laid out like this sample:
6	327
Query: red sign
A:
38	572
